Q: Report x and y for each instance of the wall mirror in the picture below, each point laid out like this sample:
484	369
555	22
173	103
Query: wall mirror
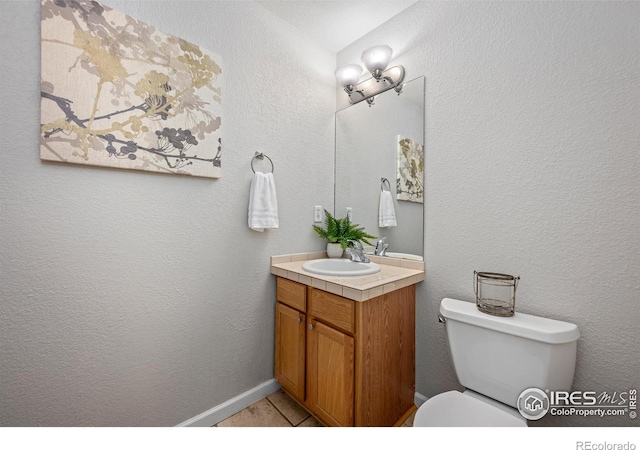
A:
381	142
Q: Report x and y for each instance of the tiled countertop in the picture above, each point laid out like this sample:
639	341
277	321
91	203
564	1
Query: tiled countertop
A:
394	274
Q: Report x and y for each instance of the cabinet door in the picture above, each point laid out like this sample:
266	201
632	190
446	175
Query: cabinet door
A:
290	350
330	374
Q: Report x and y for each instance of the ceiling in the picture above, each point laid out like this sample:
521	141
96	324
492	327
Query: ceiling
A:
336	23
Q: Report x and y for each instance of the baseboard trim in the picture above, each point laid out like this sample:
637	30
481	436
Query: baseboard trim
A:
419	399
240	402
232	406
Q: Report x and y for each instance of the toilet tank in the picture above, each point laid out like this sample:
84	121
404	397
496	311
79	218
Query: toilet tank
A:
500	357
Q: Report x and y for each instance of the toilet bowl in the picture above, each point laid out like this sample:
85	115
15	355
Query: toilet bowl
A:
466	409
496	359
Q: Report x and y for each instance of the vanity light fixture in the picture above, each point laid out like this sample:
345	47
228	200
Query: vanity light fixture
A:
375	59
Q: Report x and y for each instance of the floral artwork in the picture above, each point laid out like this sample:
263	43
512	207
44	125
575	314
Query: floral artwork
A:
410	170
117	92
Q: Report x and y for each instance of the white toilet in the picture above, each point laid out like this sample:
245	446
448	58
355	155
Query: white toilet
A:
496	359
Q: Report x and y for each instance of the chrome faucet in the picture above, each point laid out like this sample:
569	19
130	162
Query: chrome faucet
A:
381	247
356	252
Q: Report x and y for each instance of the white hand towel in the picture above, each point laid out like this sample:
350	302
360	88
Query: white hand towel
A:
263	204
386	212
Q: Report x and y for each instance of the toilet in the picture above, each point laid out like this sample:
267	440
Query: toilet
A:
496	359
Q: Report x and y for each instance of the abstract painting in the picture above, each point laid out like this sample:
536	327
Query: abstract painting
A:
117	92
410	170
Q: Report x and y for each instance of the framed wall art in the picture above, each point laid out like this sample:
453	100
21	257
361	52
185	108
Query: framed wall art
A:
118	92
410	170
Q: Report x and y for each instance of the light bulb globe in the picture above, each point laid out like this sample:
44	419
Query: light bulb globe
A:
377	58
348	75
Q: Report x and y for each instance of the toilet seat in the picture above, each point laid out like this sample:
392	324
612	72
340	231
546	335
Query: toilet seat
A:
457	409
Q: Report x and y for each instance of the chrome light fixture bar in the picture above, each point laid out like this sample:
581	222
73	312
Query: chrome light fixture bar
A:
368	89
375	60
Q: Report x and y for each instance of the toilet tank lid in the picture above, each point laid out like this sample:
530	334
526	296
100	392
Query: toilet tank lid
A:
527	326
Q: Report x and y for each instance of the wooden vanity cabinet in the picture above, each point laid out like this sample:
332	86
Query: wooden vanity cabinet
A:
349	363
330	374
291	337
290	350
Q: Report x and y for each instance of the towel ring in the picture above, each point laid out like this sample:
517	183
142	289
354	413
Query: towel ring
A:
260	156
382	182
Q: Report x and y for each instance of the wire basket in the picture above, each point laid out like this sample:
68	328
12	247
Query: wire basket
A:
495	293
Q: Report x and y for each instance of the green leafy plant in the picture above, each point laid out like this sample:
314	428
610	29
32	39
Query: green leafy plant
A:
341	231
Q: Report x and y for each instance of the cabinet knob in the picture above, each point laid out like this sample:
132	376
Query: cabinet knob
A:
311	326
298	320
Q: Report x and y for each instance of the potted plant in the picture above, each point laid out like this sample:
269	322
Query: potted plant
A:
338	233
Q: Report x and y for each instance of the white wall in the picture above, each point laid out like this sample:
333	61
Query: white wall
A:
135	299
532	168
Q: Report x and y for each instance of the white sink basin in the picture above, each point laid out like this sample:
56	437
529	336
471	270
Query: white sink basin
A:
340	267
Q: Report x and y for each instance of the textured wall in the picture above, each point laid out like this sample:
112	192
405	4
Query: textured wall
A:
532	163
131	298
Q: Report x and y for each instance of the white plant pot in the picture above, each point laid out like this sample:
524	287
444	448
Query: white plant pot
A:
334	250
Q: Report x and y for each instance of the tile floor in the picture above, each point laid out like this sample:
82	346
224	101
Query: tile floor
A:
277	410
